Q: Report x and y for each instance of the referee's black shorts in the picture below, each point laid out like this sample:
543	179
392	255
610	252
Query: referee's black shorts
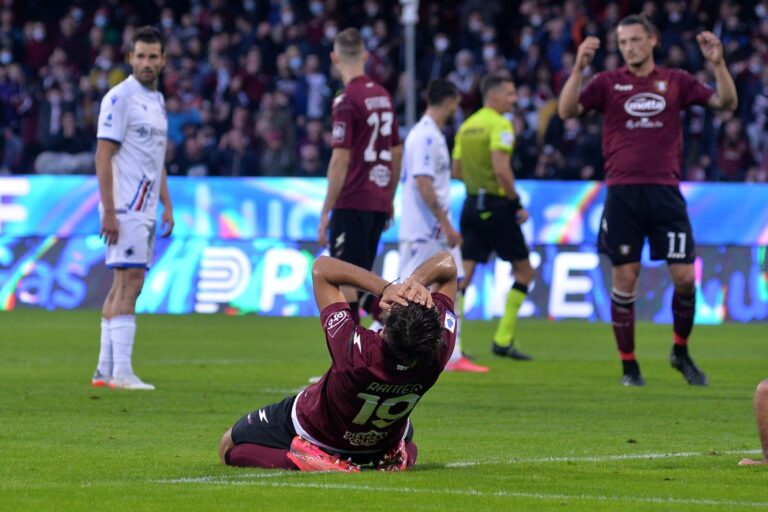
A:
489	224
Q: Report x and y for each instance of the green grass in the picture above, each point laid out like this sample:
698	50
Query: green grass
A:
487	442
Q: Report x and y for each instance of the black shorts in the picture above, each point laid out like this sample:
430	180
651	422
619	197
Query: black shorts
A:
490	224
355	234
269	426
272	426
633	213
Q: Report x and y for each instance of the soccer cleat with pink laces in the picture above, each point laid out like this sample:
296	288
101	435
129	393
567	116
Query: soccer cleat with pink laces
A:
309	457
463	364
395	459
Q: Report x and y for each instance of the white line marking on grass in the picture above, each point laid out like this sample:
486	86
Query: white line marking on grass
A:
495	494
224	479
596	458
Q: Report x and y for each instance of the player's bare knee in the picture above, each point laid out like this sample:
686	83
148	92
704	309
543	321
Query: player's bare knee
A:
225	445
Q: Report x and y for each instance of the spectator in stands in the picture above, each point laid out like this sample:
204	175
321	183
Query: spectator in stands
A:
734	156
253	52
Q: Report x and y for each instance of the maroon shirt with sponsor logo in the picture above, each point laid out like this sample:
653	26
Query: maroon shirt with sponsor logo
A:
364	122
642	136
363	401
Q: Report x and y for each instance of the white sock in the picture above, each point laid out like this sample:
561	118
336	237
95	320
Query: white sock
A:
123	331
105	352
457	347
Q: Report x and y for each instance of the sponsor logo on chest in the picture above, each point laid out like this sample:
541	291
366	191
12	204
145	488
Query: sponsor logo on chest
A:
645	104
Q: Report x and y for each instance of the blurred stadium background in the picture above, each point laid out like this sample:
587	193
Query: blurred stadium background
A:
248	87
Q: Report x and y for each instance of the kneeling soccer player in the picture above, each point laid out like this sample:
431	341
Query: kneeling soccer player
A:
357	414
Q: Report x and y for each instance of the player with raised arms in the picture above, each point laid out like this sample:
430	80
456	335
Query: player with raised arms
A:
642	145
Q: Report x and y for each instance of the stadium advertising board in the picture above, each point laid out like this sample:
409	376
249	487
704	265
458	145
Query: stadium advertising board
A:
243	246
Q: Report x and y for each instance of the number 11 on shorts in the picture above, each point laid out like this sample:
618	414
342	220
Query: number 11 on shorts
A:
680	238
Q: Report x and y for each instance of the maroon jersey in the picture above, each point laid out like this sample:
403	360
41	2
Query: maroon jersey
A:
363	402
642	137
364	122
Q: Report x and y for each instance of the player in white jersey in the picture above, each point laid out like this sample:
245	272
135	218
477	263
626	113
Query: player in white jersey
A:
425	224
130	158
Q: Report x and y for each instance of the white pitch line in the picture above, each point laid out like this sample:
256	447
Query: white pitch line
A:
595	458
223	479
496	494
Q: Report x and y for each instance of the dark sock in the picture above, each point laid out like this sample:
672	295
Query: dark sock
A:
631	367
623	316
354	306
680	350
683	311
520	286
370	303
250	455
413	453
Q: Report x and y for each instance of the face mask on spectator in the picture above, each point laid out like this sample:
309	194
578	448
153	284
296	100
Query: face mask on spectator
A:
100	21
5	57
535	20
287	18
249	5
760	10
167	22
526	41
489	52
488	36
295	63
38	34
330	33
674	16
441	44
316	8
366	32
371	9
475	25
77	14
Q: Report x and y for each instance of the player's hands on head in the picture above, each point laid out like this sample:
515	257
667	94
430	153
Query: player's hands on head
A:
414	291
322	230
522	216
167	223
109	227
392	295
710	46
586	51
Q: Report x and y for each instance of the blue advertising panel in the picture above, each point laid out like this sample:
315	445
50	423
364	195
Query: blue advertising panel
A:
288	209
247	246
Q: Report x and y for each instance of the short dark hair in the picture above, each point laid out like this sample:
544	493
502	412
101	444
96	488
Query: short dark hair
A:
349	44
640	19
148	34
492	81
439	90
414	333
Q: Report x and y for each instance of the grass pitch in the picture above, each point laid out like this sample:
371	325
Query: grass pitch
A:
558	433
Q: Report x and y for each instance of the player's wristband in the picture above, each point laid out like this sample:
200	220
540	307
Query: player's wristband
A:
381	294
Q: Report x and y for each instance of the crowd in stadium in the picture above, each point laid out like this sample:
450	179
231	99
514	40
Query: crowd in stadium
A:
249	84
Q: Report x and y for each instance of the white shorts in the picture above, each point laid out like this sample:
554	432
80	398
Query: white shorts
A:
413	254
135	242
